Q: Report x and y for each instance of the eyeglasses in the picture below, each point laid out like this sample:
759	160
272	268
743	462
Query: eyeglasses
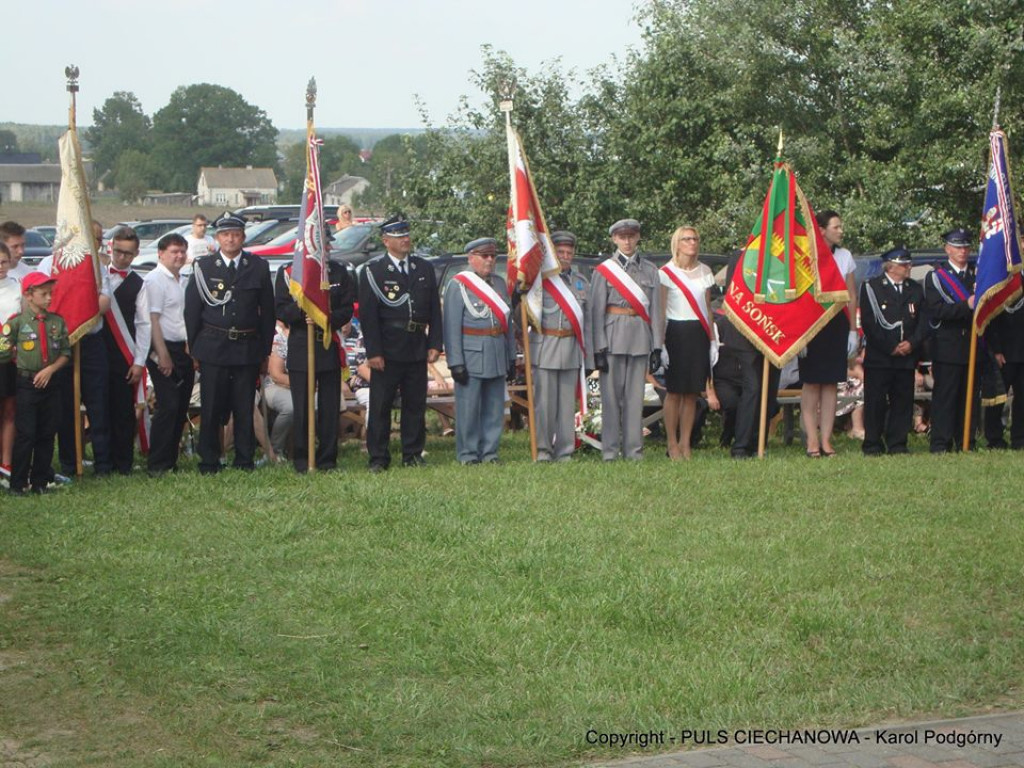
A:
689	239
485	255
120	252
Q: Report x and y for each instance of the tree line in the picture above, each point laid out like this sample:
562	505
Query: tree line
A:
885	108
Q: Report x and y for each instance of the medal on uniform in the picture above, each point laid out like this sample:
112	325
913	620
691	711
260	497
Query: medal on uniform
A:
6	329
885	306
220	286
28	346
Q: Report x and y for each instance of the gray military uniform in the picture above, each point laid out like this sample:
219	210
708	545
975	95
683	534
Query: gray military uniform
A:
557	359
629	340
473	338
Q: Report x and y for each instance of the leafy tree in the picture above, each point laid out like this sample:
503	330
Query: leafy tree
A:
132	175
118	126
389	167
208	125
8	141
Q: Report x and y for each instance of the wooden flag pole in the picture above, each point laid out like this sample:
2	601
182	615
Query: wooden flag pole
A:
71	73
506	107
969	407
310	330
762	432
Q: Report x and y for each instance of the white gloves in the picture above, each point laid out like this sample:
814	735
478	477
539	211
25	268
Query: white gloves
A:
852	344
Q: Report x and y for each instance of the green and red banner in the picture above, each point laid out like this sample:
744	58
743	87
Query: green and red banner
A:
787	285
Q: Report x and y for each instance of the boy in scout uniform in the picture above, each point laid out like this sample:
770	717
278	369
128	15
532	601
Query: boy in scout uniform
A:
558	356
38	342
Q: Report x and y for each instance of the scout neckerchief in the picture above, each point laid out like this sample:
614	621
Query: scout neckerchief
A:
613	272
126	344
675	274
487	295
44	350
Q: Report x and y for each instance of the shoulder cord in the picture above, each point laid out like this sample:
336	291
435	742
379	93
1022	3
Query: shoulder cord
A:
937	282
470	309
882	321
393	303
204	292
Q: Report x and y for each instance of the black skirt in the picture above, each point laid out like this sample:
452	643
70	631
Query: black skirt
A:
825	362
8	382
689	366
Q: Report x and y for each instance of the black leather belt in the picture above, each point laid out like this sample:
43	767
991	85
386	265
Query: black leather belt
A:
233	334
25	374
411	326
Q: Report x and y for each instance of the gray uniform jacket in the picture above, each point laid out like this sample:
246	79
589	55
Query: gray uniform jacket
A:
485	357
562	352
625	334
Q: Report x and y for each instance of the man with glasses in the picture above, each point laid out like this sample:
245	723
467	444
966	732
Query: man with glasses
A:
199	243
949	302
400	315
481	351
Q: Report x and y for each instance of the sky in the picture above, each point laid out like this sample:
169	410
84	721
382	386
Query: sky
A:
371	58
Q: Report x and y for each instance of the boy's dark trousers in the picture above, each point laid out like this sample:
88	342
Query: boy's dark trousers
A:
35	424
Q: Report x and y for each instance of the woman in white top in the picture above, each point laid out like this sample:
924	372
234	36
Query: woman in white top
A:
344	217
10	304
824	365
686	298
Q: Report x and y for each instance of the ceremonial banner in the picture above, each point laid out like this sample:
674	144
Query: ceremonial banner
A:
75	265
533	256
309	284
998	280
787	285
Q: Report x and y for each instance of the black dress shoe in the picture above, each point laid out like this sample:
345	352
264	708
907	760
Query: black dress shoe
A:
414	461
376	469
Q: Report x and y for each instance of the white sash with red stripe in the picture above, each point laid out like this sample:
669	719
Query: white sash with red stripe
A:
613	272
699	308
487	295
566	301
125	343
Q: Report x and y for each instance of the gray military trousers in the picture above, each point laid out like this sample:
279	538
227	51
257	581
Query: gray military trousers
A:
555	412
479	419
622	407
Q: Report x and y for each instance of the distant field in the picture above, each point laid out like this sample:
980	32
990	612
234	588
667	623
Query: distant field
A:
107	211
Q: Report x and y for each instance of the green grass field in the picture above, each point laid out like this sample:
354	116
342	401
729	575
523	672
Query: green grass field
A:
491	616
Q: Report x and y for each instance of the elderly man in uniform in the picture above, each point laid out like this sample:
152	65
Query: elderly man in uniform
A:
229	318
557	352
326	362
481	351
624	298
891	307
949	304
400	315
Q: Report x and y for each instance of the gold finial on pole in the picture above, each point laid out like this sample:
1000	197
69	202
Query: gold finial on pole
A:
310	98
71	73
779	151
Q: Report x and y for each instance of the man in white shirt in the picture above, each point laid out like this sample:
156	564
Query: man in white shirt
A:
199	243
170	366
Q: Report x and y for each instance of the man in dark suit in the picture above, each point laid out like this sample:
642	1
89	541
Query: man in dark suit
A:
327	363
949	305
400	314
891	307
1005	339
229	317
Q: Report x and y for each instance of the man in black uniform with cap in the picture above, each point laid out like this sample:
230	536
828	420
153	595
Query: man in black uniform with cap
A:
890	315
949	302
327	362
229	318
400	315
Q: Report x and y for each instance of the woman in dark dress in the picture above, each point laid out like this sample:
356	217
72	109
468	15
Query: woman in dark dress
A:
825	363
686	299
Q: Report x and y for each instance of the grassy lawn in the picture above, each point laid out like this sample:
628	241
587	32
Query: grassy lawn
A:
491	616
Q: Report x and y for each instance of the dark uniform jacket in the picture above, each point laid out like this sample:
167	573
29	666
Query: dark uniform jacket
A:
894	308
342	296
241	331
395	327
1005	334
950	322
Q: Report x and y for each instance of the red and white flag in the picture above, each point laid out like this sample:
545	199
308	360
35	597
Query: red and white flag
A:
75	263
309	285
533	255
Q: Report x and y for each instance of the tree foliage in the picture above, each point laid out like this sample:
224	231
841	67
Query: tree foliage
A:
119	126
209	125
8	141
132	175
339	155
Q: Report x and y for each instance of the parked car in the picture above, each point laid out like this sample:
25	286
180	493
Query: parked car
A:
36	248
148	230
50	233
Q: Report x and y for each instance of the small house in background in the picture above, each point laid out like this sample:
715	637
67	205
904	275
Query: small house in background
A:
236	187
25	183
342	191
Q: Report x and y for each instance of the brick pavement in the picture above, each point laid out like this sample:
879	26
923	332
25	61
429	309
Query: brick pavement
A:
986	741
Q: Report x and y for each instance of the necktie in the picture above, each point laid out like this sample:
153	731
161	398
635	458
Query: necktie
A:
231	270
42	339
899	288
401	266
122	272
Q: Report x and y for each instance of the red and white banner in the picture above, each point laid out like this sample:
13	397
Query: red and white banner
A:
487	295
613	272
309	285
533	255
75	265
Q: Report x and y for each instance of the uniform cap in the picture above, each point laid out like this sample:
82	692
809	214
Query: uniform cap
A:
624	224
396	226
34	280
228	222
898	255
480	243
563	237
958	238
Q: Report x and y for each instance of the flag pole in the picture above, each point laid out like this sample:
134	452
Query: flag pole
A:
762	431
310	330
506	105
71	72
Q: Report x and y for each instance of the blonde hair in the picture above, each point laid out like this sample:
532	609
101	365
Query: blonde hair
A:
677	237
